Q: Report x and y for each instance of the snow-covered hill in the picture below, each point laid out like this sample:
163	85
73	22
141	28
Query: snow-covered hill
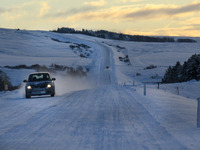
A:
107	108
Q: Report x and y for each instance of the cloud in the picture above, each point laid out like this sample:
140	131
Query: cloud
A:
178	31
2	10
132	12
71	12
176	15
96	3
168	31
96	15
44	9
11	14
193	23
125	1
8	10
196	27
26	9
194	20
162	11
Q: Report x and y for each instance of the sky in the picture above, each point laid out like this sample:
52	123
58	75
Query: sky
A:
137	17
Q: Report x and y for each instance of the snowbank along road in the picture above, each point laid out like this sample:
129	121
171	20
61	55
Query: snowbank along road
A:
105	117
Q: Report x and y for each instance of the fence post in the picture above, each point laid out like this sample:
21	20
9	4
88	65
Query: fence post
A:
177	90
198	112
145	92
5	84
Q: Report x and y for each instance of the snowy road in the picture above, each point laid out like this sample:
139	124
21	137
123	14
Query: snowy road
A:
106	67
102	118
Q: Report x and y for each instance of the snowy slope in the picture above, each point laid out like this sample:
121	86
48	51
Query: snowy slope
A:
104	110
161	55
33	47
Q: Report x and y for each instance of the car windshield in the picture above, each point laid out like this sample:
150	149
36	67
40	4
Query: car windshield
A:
39	77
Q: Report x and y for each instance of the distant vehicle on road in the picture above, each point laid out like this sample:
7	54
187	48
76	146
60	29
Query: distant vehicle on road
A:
39	83
107	67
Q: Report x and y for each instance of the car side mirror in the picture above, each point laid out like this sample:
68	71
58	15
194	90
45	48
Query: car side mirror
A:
53	79
25	81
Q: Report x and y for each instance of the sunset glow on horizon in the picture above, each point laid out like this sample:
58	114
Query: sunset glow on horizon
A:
141	17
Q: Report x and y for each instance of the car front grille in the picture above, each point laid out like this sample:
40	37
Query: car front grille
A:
39	85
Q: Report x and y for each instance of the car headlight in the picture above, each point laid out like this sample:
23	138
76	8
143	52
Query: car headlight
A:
28	87
49	86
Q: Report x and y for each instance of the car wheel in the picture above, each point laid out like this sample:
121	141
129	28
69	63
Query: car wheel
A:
28	96
53	94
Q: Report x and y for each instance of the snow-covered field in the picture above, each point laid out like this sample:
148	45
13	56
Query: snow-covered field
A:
106	109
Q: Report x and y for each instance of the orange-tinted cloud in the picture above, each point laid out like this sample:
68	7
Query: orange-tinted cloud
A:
44	9
131	12
162	11
124	1
96	3
71	12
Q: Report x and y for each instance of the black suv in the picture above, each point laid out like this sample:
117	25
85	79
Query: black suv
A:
40	83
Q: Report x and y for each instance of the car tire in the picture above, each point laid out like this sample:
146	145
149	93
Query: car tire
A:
28	96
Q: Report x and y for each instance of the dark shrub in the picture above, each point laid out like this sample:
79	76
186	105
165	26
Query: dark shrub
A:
150	67
180	73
